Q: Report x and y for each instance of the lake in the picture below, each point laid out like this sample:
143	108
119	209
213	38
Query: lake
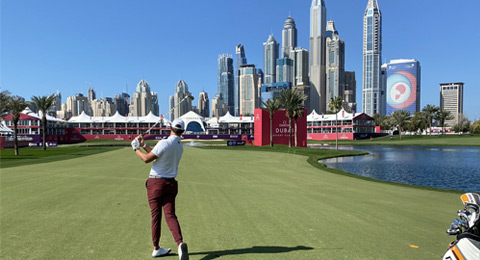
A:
452	168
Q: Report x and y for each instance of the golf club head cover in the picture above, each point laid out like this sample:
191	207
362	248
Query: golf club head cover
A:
135	144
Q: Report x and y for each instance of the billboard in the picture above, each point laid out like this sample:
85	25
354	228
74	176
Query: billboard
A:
280	128
403	86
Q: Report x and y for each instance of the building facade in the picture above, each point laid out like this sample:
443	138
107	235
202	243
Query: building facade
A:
349	94
317	98
241	60
289	38
284	70
203	104
226	81
402	85
270	56
248	89
373	91
335	63
451	99
142	99
179	105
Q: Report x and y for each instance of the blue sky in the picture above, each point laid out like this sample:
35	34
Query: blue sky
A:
69	46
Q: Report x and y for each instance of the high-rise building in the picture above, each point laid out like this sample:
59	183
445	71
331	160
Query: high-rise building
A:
219	108
317	97
181	92
241	60
203	104
335	63
103	107
272	91
270	56
289	37
248	90
142	99
451	99
155	105
284	70
226	81
122	102
76	105
349	94
402	85
57	106
373	92
300	61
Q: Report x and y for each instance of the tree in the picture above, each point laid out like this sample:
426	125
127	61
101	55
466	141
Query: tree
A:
475	128
43	104
17	105
335	105
400	119
441	116
298	112
290	100
4	102
429	112
271	105
463	124
381	120
417	122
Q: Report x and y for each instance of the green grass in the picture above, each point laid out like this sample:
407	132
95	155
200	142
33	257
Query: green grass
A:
417	140
232	204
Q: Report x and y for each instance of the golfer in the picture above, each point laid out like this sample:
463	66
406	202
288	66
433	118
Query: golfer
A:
161	185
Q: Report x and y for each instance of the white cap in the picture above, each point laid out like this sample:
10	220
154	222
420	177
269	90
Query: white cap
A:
178	124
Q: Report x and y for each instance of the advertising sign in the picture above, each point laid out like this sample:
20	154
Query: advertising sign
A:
402	86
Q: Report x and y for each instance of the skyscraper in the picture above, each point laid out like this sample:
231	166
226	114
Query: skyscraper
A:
373	92
349	94
284	70
317	97
402	86
248	90
270	56
203	104
241	60
451	99
142	99
300	62
226	81
335	63
155	105
181	91
122	102
289	37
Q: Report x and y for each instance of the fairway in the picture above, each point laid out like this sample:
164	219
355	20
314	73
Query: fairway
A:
232	204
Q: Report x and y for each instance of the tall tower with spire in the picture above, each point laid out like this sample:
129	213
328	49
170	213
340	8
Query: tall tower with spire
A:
335	63
373	91
289	37
317	97
270	56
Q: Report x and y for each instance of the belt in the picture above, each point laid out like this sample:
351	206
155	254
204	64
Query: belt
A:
160	177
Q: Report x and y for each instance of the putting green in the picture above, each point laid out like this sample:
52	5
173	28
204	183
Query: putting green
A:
232	204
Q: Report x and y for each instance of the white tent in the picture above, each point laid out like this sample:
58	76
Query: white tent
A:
193	117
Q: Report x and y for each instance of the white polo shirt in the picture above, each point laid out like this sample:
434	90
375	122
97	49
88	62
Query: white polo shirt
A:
169	152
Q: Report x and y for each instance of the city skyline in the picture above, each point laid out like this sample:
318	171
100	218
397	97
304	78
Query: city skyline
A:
71	47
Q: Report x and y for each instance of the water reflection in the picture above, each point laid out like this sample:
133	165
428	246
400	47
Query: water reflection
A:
455	168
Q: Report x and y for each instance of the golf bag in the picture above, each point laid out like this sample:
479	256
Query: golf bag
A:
467	230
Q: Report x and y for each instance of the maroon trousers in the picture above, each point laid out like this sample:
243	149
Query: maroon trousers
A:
161	194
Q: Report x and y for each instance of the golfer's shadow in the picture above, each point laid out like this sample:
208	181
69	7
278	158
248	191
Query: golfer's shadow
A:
251	250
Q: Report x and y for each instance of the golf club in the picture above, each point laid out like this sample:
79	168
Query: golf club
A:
189	97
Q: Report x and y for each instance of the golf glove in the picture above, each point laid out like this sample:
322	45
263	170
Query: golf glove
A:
135	144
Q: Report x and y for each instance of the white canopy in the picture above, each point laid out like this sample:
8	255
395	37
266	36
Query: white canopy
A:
193	117
29	112
341	115
4	129
82	118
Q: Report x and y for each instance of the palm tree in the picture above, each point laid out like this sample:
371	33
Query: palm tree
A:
44	103
443	115
429	112
400	119
335	105
298	111
271	105
291	100
17	105
4	101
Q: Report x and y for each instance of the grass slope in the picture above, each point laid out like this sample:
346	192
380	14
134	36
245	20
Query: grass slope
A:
233	204
416	140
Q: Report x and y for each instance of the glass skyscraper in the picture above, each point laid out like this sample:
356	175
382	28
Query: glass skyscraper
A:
226	81
270	56
241	60
289	37
317	98
335	63
373	91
